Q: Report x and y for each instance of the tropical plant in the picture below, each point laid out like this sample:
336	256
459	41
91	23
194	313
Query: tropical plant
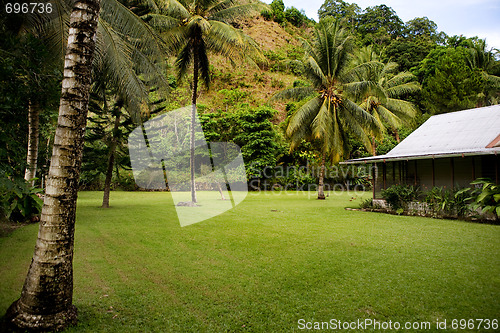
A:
399	196
484	60
19	200
126	47
47	295
449	202
384	99
486	196
193	29
330	112
105	134
448	83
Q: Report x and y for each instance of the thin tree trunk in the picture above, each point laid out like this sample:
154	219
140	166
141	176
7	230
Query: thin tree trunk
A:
193	122
47	295
111	157
222	197
321	192
33	140
374	146
396	132
44	175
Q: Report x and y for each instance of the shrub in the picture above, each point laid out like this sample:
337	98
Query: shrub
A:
300	83
398	196
276	83
448	202
295	16
267	15
366	204
486	197
18	199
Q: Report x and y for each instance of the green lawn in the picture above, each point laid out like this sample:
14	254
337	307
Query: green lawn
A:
262	266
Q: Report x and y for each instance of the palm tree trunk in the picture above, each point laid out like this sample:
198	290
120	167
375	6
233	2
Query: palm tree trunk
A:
111	159
33	139
321	192
396	132
193	121
47	295
374	146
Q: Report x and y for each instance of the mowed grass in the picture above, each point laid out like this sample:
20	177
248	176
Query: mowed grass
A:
262	266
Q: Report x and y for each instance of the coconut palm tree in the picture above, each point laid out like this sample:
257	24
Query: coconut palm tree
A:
126	47
384	99
195	28
330	112
46	299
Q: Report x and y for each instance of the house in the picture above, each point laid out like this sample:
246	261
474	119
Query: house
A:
449	150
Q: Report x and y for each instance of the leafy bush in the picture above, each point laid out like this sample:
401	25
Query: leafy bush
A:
440	200
295	16
398	196
18	199
276	83
125	181
300	83
267	15
278	8
486	197
444	201
367	203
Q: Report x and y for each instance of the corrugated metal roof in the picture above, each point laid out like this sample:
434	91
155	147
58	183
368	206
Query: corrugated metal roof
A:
454	133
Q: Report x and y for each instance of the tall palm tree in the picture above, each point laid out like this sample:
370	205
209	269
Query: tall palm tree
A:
46	299
384	99
195	28
126	47
330	111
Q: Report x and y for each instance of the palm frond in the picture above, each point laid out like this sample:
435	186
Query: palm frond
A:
204	64
389	69
364	71
138	32
172	8
390	118
175	39
322	125
300	122
358	89
492	80
403	89
400	78
403	109
315	73
357	129
366	120
183	60
231	43
56	29
162	23
334	145
297	93
117	65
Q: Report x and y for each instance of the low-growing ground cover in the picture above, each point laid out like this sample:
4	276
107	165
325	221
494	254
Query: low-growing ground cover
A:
264	265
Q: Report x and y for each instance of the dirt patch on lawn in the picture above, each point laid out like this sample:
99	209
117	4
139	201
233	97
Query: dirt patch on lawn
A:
7	227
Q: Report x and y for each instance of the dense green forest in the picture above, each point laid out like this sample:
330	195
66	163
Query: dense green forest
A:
253	98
